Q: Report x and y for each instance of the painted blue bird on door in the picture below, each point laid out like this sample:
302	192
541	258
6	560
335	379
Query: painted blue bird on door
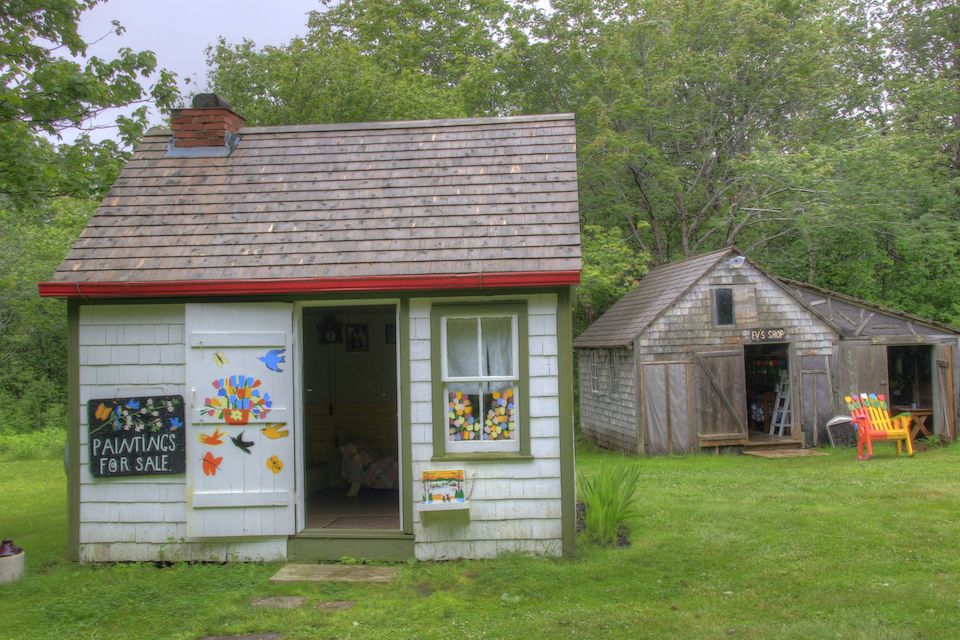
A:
273	359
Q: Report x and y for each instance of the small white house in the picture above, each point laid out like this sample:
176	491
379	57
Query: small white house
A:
280	335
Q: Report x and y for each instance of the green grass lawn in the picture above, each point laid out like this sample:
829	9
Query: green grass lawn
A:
729	547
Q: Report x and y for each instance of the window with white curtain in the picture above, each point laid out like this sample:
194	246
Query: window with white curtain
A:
480	373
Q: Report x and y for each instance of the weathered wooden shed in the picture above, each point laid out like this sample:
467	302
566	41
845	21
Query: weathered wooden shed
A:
713	351
314	341
912	360
668	369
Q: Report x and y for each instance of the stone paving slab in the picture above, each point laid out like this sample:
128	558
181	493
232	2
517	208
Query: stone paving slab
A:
247	636
335	573
785	453
279	602
336	605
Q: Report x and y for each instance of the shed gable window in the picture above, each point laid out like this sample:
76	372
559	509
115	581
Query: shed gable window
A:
723	311
479	355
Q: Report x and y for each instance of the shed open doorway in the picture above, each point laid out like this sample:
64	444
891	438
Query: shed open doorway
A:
767	377
910	371
351	448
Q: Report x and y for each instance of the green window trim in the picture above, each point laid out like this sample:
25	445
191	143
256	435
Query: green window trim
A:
437	313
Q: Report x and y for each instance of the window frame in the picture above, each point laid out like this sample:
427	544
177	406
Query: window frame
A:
614	368
716	307
482	450
596	368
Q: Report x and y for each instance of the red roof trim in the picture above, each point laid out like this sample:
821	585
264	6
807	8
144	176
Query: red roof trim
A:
194	288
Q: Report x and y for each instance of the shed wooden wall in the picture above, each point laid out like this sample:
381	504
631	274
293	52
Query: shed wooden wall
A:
608	416
514	506
688	325
138	350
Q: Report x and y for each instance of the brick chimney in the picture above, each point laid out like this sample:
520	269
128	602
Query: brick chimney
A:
208	123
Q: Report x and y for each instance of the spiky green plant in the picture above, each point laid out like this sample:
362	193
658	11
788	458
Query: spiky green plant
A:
610	501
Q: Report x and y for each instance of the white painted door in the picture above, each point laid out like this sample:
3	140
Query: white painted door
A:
240	474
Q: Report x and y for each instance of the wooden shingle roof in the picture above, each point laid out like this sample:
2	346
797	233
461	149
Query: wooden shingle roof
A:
855	318
480	202
657	291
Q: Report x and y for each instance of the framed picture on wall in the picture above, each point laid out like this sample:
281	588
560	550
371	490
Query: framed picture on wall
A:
358	337
390	334
330	331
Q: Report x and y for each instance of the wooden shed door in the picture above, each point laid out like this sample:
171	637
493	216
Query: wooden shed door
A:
240	476
944	394
722	392
861	368
665	407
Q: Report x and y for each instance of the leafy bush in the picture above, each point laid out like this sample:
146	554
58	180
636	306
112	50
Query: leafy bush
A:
610	503
934	441
35	445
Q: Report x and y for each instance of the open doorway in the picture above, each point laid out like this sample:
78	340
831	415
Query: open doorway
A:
769	411
910	370
351	444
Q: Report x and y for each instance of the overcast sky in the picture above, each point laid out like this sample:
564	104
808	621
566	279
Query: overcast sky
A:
179	31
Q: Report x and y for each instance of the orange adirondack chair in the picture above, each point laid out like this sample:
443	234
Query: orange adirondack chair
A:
873	422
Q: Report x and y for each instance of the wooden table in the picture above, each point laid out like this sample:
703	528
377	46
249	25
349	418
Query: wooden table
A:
919	415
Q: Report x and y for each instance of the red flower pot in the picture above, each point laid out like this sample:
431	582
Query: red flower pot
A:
228	416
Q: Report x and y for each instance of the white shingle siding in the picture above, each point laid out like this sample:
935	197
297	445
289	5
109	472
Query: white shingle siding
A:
138	350
514	506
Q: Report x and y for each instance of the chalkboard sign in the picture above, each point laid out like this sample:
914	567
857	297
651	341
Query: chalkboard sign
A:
136	436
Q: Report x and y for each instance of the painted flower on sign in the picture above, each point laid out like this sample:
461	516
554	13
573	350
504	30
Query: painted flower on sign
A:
238	398
274	464
139	415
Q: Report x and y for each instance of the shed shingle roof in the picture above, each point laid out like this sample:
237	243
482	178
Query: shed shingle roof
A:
394	199
813	297
657	291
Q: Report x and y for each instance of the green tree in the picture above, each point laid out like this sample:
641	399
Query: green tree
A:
49	85
318	80
49	188
611	268
672	98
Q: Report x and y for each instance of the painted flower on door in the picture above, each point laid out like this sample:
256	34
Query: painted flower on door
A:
238	398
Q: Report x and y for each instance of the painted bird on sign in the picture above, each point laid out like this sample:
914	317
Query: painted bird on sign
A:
242	444
273	358
275	430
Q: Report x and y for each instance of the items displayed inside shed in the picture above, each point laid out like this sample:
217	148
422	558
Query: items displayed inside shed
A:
768	388
911	381
350	416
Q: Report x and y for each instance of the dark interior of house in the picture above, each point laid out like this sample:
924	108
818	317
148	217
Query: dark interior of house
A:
350	417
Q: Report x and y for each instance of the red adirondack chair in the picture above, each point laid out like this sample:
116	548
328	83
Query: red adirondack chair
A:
872	420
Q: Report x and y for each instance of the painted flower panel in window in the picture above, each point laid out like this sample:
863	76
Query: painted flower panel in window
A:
462	412
500	422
